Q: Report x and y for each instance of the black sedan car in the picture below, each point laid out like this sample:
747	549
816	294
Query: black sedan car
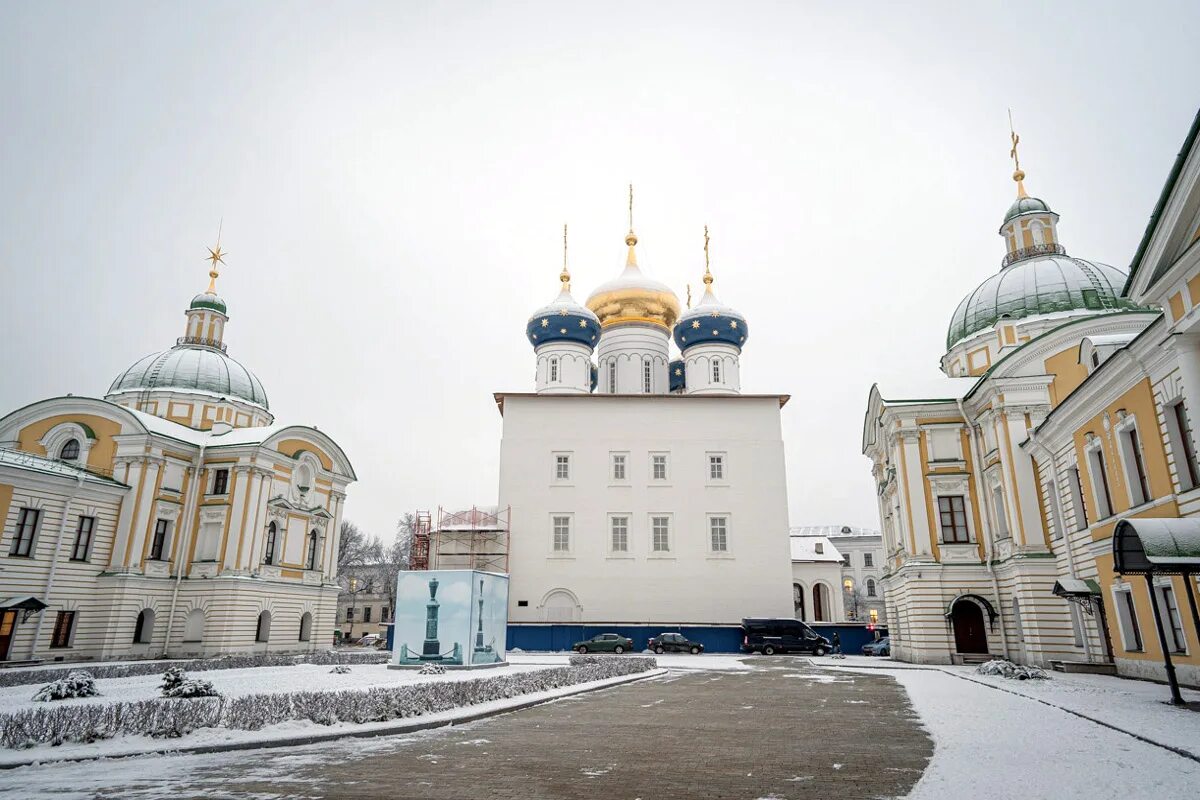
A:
674	643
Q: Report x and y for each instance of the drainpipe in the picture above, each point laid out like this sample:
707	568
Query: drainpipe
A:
977	458
62	529
181	554
1061	521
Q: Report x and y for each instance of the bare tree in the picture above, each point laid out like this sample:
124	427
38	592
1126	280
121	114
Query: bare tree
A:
355	549
855	602
395	557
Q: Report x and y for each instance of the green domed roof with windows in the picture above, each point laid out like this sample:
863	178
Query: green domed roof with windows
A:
1027	205
208	300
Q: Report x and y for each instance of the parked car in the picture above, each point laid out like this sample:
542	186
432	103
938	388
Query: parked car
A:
604	643
370	640
882	647
771	636
674	643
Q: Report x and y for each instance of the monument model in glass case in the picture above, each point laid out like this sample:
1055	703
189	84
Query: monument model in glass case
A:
453	618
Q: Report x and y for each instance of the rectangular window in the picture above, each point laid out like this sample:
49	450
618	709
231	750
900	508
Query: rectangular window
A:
26	526
1100	483
383	614
1135	467
1075	487
562	468
159	543
1002	531
83	539
718	534
62	629
646	376
658	467
367	614
221	482
562	534
1172	622
819	548
1127	616
716	468
618	466
349	615
1076	623
868	560
1179	432
553	370
1056	514
612	377
620	534
660	534
716	366
953	516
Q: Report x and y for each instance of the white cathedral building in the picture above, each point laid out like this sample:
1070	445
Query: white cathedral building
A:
645	489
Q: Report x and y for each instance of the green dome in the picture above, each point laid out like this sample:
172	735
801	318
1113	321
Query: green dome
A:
1027	205
1046	284
207	300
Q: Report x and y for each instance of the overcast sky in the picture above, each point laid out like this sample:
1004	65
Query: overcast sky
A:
393	180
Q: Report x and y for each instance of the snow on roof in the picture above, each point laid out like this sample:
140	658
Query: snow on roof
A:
832	530
1112	339
183	433
937	387
31	461
804	548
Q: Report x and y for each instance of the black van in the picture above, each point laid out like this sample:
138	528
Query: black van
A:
771	636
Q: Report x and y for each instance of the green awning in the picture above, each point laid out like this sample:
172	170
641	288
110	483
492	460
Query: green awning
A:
1076	587
1158	546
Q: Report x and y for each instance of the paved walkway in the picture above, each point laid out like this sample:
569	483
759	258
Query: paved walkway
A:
786	731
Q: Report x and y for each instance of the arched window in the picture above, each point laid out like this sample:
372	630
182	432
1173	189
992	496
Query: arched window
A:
272	535
798	600
848	585
263	632
819	602
716	366
305	626
871	587
143	629
69	451
193	629
312	550
554	369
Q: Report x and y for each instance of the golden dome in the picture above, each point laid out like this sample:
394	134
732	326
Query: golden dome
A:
633	297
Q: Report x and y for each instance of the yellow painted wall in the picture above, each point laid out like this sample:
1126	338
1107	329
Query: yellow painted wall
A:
289	447
103	450
1193	286
1176	303
1152	649
1068	373
6	493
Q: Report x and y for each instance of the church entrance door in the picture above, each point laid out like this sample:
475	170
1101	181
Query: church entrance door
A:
969	633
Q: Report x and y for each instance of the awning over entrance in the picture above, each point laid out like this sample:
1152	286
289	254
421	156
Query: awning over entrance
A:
980	599
23	603
1076	587
1159	546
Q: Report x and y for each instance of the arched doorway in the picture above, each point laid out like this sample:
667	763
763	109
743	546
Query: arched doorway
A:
820	602
798	600
969	634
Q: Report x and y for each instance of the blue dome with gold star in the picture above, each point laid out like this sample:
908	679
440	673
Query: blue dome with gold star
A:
711	321
564	320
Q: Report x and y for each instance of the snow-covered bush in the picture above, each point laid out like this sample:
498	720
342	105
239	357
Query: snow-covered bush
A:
172	677
176	717
340	669
432	669
77	683
21	677
176	683
1007	669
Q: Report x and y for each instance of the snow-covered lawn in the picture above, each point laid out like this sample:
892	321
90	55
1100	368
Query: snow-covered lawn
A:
1000	745
256	680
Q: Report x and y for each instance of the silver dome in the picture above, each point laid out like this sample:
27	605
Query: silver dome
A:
1041	285
192	368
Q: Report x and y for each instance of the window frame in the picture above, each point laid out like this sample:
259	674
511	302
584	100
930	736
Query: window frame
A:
1127	621
1168	605
1133	462
954	527
313	550
552	376
647	376
612	377
669	550
74	456
220	484
1098	467
716	370
25	546
724	520
1075	490
80	533
568	523
1179	436
271	542
562	467
158	540
624	519
718	459
61	639
868	560
613	463
872	588
666	465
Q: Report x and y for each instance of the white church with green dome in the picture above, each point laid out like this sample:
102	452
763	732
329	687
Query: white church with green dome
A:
970	567
172	517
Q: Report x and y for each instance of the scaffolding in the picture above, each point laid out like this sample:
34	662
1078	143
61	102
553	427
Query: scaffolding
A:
473	539
418	555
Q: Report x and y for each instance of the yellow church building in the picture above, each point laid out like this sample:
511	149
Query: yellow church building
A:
174	516
1064	407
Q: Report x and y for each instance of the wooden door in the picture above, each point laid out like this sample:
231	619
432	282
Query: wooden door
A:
8	626
969	633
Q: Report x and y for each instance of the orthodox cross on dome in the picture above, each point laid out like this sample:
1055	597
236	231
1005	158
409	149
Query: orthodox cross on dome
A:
1018	173
215	257
565	275
708	278
631	237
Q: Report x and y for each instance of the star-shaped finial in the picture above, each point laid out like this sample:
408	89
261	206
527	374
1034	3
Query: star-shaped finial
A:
215	257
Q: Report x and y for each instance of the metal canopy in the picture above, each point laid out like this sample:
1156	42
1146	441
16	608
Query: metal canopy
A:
1076	587
24	603
1157	546
981	600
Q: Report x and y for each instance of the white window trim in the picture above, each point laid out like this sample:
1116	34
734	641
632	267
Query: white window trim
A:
554	456
708	478
1175	443
1160	584
1133	488
570	551
34	505
967	510
1075	490
1094	451
62	433
666	479
553	368
728	551
669	553
1119	609
1056	513
627	553
612	459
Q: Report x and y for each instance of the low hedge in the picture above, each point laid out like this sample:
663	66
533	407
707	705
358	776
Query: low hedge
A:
172	718
23	677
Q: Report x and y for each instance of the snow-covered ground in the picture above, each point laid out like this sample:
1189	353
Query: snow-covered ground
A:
257	680
1001	744
708	662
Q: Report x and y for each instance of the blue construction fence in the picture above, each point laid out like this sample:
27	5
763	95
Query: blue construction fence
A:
555	637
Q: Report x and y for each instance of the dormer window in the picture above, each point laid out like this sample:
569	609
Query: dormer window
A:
1095	359
820	548
69	451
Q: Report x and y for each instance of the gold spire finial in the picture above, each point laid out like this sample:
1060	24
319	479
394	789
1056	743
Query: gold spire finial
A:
565	275
1018	173
689	293
215	257
707	273
631	237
